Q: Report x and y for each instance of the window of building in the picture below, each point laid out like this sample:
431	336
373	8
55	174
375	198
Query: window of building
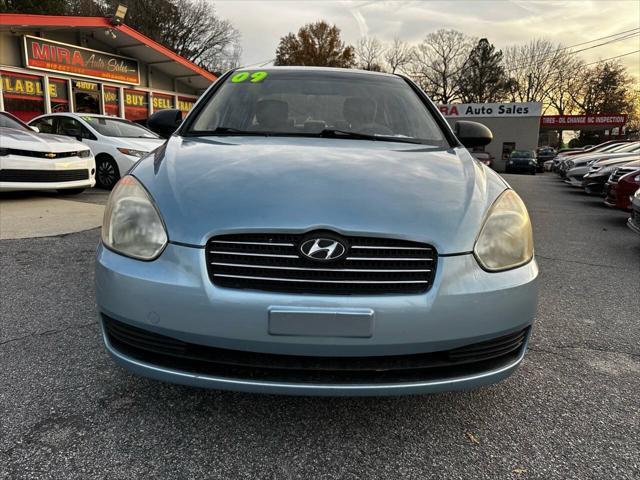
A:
58	92
86	96
136	105
162	101
112	101
23	95
185	104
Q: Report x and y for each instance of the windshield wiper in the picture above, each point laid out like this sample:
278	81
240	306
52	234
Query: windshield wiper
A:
337	133
223	130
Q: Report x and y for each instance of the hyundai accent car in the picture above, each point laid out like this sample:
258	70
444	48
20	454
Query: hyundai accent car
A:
34	161
316	231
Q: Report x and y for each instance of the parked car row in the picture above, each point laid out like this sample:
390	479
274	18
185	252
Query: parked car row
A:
69	152
611	170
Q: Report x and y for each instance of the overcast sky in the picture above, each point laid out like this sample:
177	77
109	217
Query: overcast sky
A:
506	22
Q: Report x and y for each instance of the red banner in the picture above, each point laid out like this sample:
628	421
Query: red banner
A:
568	121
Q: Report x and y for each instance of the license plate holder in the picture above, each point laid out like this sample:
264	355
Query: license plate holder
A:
321	322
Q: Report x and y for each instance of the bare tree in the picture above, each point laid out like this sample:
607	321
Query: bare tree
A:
438	63
369	52
398	55
198	34
565	85
532	69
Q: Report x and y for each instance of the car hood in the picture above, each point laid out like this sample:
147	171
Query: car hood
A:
613	160
215	185
39	142
144	144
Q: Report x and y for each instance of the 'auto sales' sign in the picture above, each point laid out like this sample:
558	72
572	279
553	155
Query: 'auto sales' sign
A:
44	54
460	110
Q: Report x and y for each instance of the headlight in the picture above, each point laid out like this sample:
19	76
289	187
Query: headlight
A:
607	170
84	153
132	152
132	225
636	178
506	238
637	194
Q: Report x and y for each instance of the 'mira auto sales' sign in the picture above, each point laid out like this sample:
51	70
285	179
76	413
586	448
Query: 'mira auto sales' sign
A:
44	54
459	110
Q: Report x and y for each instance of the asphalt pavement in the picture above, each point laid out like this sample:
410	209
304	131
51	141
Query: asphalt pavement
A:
572	410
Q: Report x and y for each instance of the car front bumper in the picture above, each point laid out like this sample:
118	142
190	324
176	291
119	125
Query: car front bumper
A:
634	220
20	186
173	296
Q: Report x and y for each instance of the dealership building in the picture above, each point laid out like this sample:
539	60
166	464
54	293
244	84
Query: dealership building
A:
54	64
515	126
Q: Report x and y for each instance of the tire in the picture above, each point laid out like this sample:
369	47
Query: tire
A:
107	173
71	191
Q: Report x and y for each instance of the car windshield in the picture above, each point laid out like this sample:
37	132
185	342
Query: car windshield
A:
7	122
318	103
115	127
521	154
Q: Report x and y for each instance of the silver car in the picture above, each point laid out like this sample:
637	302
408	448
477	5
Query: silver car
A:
316	231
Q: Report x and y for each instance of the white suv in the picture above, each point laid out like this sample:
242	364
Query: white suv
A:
116	143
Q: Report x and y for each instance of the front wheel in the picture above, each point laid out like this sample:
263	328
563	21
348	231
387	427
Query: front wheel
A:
107	173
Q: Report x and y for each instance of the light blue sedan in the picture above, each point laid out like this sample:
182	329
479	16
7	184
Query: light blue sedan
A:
316	231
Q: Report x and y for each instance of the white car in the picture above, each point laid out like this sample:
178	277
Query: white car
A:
36	161
116	143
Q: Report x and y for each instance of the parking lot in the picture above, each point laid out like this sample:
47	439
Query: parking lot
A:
570	411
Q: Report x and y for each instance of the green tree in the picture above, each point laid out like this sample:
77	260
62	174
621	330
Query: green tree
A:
483	78
316	44
605	88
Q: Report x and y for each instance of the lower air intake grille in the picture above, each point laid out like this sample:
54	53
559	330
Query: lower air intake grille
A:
175	354
43	176
273	262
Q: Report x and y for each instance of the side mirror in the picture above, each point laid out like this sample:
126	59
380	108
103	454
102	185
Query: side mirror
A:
472	134
73	132
35	129
165	122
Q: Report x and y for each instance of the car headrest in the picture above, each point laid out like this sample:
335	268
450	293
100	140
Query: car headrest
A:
272	113
359	110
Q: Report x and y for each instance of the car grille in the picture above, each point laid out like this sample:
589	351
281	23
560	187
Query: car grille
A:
271	262
620	172
36	176
176	354
33	153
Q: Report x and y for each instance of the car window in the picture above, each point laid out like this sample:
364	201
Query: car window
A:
113	127
7	122
290	102
521	154
70	127
46	124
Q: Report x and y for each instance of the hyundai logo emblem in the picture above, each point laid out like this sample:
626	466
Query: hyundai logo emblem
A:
323	249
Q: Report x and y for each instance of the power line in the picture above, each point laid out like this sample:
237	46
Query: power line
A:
634	30
612	58
540	61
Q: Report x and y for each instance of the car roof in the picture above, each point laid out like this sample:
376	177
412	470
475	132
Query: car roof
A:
346	71
80	115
